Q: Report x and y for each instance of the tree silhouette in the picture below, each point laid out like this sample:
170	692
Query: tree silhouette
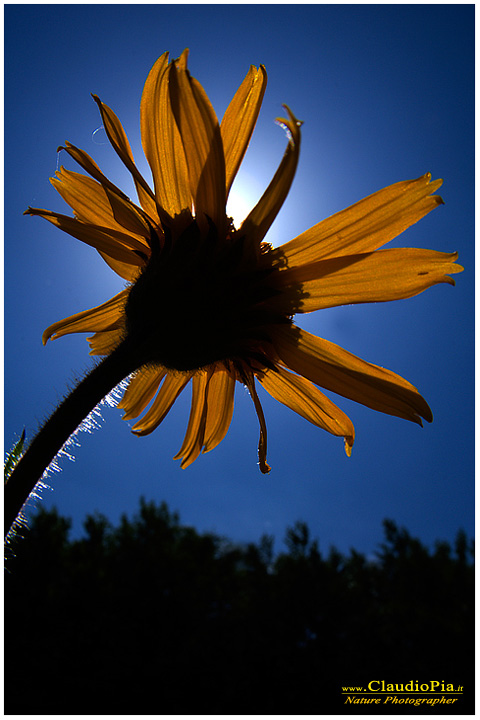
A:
152	617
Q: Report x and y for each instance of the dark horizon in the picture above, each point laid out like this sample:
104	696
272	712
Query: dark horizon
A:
152	617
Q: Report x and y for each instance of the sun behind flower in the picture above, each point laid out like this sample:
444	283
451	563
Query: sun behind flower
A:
210	304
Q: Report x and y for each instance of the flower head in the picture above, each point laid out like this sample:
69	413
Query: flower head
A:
210	304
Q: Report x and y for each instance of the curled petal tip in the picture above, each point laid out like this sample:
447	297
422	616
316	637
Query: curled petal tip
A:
348	443
428	417
292	117
291	126
264	467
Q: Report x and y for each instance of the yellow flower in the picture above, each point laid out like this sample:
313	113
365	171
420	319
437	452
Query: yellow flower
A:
210	304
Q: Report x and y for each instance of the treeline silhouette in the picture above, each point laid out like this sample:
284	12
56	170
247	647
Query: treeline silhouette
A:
152	617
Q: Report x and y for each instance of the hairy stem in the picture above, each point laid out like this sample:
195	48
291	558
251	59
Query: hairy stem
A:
64	421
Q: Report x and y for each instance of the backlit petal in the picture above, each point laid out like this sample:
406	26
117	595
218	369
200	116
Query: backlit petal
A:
220	400
141	390
338	370
105	342
380	276
249	380
257	223
91	167
107	316
162	143
119	141
366	225
193	441
305	399
117	245
239	120
93	203
202	143
171	388
125	270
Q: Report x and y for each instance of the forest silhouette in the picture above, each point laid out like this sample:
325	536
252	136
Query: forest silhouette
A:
152	617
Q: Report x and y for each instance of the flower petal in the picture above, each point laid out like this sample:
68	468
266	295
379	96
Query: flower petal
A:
141	389
338	370
239	120
91	167
125	270
302	397
107	316
366	225
171	388
202	143
95	204
162	143
117	245
220	400
120	144
380	276
105	342
249	381
257	223
193	441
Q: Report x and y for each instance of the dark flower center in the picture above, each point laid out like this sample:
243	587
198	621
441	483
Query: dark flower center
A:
200	301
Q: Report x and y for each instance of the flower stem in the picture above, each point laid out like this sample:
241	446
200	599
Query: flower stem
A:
65	420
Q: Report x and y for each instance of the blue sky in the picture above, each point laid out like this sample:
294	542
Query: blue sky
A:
386	94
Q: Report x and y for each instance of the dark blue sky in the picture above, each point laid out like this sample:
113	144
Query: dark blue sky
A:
386	94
